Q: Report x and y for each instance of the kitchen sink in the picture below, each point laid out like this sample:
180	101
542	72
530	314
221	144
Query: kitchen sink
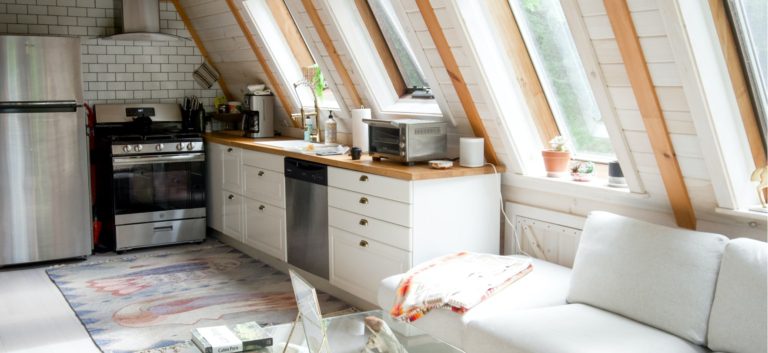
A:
306	147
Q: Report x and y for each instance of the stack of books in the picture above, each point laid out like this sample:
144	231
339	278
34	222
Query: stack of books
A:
245	337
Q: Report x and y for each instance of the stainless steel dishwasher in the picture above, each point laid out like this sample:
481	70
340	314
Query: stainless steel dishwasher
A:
306	196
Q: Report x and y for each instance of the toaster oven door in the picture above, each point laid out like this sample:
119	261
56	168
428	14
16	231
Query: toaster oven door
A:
384	140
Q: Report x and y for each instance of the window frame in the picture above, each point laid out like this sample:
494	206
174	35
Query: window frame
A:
758	93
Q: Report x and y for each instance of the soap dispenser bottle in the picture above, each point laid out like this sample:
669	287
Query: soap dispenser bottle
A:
308	129
330	129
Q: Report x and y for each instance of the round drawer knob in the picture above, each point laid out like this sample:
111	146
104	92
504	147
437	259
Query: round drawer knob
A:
363	243
261	208
363	222
364	200
261	173
363	178
231	197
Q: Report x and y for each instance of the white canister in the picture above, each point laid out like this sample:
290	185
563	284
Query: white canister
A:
360	129
471	152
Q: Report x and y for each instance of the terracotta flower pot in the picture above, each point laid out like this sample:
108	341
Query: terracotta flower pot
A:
556	162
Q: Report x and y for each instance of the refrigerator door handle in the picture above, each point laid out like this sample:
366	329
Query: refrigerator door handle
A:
39	107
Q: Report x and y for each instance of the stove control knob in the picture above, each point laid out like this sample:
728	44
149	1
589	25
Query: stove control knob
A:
159	147
190	146
138	148
179	146
126	148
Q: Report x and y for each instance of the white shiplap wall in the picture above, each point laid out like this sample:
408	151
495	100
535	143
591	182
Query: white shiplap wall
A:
228	47
115	71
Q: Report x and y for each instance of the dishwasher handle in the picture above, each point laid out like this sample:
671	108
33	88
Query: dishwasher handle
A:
311	172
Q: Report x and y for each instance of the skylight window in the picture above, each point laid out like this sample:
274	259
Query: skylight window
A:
398	45
546	33
750	20
287	48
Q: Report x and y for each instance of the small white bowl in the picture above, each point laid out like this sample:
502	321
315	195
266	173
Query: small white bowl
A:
440	164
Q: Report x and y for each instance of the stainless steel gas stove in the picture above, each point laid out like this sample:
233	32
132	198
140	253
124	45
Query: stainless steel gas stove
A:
150	176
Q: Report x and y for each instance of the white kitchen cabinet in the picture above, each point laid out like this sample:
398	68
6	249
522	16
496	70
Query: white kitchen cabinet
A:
214	198
247	198
381	226
231	166
359	264
233	215
265	228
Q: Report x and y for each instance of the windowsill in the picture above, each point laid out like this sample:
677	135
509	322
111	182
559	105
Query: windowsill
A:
596	189
406	105
744	213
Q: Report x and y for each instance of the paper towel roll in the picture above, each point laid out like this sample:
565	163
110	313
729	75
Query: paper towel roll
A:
360	129
471	152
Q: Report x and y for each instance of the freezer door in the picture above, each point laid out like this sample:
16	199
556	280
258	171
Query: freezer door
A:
37	68
45	208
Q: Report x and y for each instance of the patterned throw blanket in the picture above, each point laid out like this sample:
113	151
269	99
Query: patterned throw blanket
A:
457	282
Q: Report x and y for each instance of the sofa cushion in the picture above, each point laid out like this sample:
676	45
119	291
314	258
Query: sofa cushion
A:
573	328
664	277
737	322
546	285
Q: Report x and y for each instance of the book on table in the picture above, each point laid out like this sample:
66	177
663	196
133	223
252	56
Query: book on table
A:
244	337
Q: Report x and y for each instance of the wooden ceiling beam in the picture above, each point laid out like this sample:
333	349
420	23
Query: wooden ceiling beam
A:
457	79
653	118
199	43
332	52
730	49
271	78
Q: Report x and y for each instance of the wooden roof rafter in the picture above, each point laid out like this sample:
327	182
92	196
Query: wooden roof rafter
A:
650	108
457	79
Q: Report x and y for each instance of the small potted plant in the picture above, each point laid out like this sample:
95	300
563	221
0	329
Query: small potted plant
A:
556	158
582	171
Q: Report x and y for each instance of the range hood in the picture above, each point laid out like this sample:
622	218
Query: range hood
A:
141	22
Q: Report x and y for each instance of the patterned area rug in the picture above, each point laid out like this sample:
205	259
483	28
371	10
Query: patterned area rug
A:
150	303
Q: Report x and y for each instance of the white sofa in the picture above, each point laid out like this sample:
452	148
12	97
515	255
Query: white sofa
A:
634	287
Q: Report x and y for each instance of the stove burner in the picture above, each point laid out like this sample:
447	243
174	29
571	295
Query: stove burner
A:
188	135
158	137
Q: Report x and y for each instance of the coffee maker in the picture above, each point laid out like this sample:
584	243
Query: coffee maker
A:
258	117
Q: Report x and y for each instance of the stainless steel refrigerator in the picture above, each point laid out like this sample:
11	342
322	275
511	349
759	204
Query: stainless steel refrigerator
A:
45	210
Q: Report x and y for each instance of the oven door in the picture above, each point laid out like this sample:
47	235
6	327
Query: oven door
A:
158	187
384	140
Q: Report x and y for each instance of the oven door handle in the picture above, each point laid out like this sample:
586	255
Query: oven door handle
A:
158	159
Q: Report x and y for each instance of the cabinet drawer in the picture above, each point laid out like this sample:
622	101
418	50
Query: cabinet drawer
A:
263	160
265	228
384	232
264	185
358	264
389	188
372	206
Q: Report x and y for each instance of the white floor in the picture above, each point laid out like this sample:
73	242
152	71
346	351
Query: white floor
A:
34	317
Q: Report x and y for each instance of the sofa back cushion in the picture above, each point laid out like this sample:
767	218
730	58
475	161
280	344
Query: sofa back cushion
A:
660	276
738	322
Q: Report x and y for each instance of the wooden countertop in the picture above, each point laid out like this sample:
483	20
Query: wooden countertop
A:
420	171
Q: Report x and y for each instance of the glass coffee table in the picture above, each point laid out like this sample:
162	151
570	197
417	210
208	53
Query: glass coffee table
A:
347	334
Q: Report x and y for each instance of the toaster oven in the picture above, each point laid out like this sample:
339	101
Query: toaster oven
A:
407	140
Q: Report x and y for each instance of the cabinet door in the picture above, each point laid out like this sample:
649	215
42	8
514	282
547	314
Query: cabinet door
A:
265	228
233	215
213	184
231	169
359	264
264	185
